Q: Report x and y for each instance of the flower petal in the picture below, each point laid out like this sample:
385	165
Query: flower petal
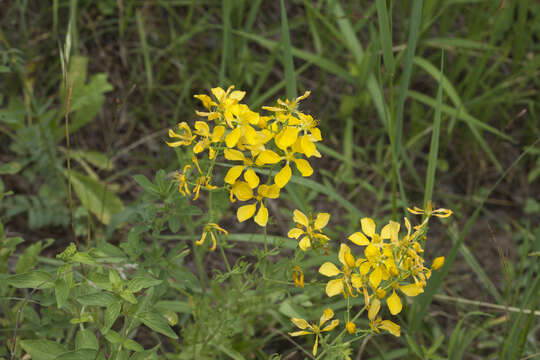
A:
251	177
390	231
299	333
375	277
283	176
331	326
262	216
242	191
232	138
304	243
300	217
359	239
368	226
234	155
391	327
301	323
374	308
268	157
245	212
286	137
233	174
321	221
329	269
394	303
295	233
343	249
308	147
411	290
334	287
327	315
303	166
437	263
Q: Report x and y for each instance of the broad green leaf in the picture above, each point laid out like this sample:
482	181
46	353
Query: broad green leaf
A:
111	314
31	279
42	349
95	158
81	354
132	345
61	291
10	168
86	99
145	183
95	196
86	339
100	298
174	305
28	260
113	337
157	323
140	282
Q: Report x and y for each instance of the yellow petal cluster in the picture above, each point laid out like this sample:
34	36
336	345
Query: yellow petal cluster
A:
307	328
253	144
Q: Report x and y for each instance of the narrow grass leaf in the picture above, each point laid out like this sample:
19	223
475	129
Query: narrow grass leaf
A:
288	63
144	49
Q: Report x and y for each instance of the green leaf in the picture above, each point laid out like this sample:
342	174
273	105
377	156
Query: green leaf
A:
145	183
86	339
10	168
157	323
81	354
28	260
61	291
86	99
132	345
174	223
111	314
100	298
42	349
31	279
140	282
174	305
95	196
113	337
128	296
95	158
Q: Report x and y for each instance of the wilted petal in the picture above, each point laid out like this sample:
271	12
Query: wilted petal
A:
301	323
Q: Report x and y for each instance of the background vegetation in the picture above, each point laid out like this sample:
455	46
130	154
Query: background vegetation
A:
374	70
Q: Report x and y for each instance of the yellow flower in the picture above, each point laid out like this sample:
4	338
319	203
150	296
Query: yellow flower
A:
389	231
209	229
207	138
376	323
247	211
225	100
234	173
379	261
298	276
307	328
394	302
185	136
437	263
351	327
284	175
202	180
348	279
287	106
182	182
312	229
441	213
241	121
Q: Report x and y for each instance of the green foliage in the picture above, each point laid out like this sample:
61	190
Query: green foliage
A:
98	261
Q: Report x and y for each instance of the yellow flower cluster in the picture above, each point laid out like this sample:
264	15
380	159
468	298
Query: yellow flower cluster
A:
390	265
254	144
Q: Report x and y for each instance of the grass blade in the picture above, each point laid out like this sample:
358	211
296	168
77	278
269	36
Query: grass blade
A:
287	55
144	48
